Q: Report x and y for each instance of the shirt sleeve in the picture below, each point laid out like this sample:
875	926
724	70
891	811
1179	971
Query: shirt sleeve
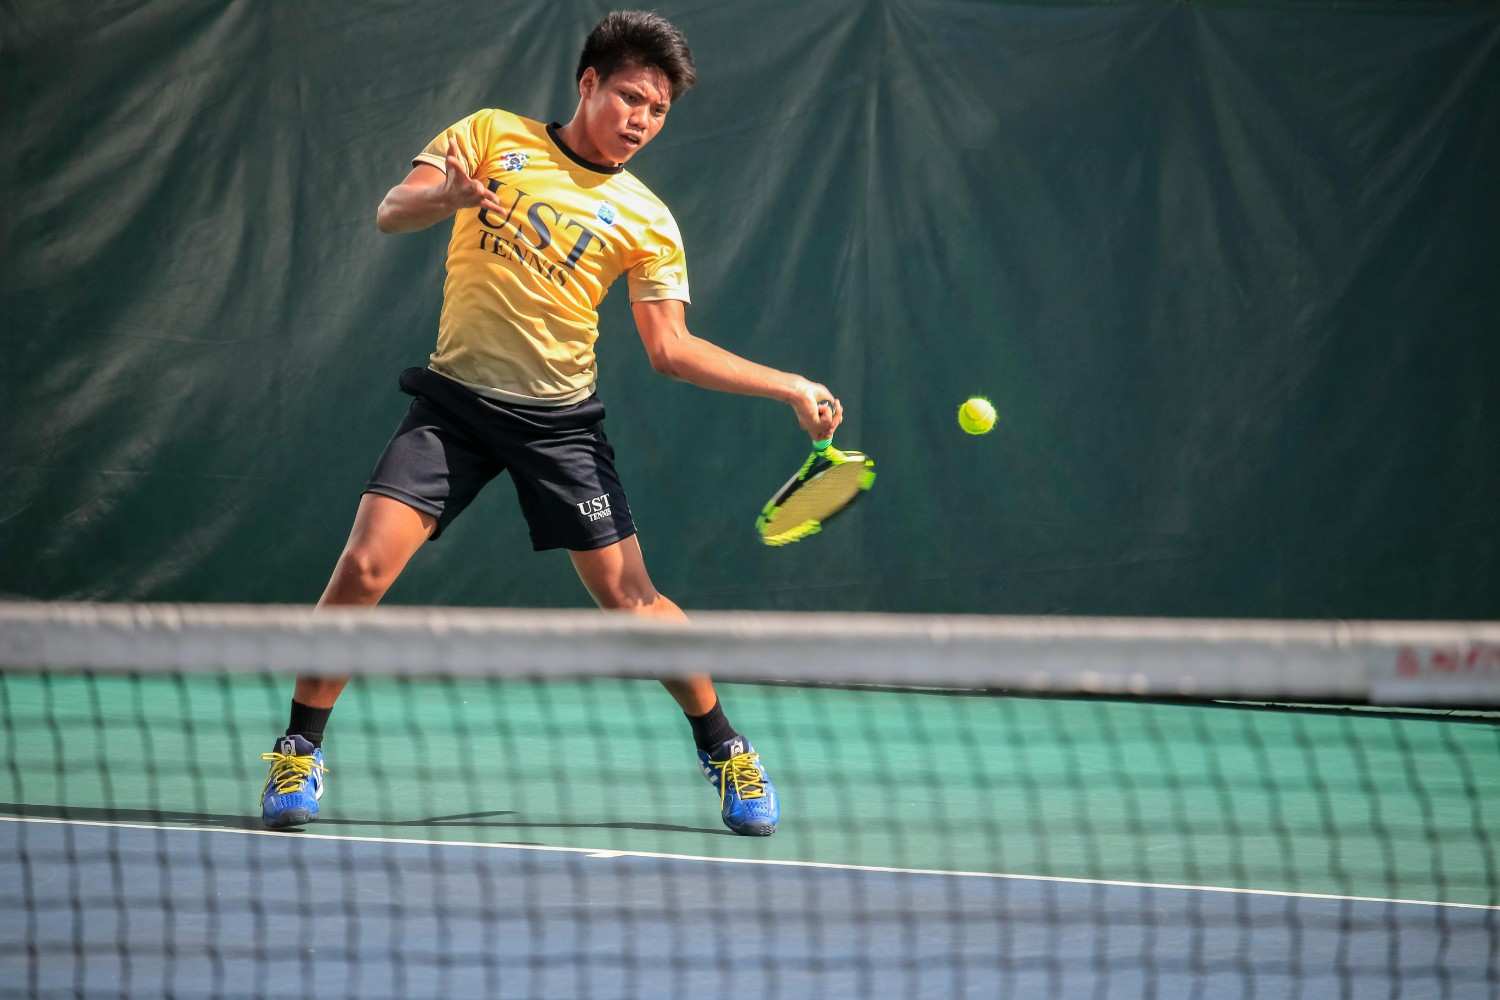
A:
659	270
473	135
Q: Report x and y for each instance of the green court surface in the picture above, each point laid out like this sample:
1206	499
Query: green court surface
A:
1349	804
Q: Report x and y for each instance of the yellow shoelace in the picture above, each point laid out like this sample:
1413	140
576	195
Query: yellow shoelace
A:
741	770
288	771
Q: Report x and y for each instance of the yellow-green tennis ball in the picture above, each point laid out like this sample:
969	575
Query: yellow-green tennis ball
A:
976	416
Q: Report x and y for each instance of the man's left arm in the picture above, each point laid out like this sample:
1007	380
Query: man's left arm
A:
675	352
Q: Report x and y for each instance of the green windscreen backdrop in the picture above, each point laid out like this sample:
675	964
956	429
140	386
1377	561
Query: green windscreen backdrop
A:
1229	271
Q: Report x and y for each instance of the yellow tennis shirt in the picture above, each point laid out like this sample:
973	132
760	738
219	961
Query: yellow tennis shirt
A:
523	286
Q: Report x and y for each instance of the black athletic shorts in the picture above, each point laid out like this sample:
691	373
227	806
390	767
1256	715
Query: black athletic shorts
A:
453	441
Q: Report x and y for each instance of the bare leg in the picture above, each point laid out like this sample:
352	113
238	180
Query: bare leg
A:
616	577
386	534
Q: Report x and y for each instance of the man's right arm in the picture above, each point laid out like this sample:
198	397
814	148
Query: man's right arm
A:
428	196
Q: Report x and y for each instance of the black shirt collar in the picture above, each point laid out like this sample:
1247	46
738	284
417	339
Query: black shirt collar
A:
597	168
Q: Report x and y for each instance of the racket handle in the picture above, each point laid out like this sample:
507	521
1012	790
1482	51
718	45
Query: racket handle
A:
823	444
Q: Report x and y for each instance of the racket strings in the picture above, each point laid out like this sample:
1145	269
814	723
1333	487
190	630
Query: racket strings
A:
822	494
828	482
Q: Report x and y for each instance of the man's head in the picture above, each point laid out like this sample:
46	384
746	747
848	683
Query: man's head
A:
634	64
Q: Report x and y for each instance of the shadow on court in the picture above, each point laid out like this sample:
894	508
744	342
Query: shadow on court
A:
222	821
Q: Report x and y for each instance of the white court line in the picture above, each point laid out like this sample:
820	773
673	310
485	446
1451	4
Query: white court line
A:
607	853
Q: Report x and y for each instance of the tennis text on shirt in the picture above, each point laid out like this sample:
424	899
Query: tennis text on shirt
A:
523	286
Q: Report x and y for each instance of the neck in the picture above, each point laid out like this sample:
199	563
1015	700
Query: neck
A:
577	138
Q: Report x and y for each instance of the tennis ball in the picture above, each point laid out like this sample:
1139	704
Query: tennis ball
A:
976	416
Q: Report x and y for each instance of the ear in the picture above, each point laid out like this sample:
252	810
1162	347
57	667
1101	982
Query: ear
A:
588	83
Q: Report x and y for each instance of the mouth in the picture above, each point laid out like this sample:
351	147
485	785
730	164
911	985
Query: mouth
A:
631	140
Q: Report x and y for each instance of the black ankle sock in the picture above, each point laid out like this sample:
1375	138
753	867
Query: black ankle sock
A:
308	722
711	728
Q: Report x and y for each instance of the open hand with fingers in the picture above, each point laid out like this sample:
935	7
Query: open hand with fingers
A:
460	190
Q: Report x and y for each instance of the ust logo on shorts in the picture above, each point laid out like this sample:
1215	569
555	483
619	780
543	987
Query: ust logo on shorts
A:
513	161
595	509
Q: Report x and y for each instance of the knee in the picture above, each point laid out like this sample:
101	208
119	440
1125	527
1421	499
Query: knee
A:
627	595
365	573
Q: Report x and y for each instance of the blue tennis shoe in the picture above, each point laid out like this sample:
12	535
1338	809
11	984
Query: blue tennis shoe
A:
747	799
294	785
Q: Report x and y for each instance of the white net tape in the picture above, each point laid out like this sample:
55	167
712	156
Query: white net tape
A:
1407	663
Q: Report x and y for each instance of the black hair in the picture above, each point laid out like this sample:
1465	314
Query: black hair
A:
639	38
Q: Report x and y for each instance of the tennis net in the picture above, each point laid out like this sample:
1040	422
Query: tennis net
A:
972	807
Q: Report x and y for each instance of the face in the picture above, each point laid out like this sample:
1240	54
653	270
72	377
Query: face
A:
624	112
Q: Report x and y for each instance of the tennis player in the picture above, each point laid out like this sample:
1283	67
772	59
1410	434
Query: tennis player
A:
545	218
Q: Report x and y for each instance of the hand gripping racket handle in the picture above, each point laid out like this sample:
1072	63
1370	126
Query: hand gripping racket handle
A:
821	446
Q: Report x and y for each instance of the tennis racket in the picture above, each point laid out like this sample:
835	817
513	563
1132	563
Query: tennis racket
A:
828	482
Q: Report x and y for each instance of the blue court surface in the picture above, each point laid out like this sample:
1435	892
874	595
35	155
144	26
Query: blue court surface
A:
209	910
477	840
